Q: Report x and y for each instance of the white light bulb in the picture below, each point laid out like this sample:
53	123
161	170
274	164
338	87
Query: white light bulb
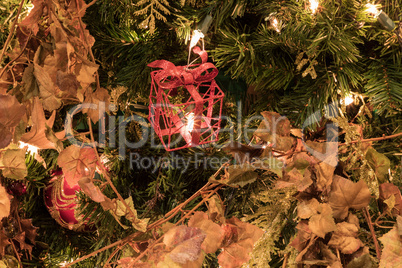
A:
30	148
197	35
373	10
314	6
190	122
348	100
275	24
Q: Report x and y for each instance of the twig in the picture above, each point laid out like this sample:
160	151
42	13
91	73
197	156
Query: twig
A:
16	252
11	31
285	260
370	224
89	48
16	58
373	139
132	214
177	223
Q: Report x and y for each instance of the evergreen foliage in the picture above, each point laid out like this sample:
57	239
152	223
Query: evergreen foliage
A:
272	55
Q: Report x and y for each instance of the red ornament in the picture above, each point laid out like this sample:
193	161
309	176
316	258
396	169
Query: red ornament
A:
62	202
185	103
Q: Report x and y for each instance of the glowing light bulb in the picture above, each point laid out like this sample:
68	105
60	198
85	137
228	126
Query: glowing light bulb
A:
373	10
275	25
190	122
197	35
30	148
381	16
348	100
314	6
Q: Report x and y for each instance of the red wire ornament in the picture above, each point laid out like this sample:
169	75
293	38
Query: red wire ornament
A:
185	103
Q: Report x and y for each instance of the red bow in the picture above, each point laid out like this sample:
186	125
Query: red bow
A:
172	76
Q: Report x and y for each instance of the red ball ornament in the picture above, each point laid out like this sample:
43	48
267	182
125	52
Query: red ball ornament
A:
62	202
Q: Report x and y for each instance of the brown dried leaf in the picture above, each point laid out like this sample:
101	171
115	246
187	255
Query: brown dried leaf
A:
47	90
89	188
295	178
303	236
322	222
237	175
6	136
11	111
186	243
77	163
67	82
306	209
345	238
346	194
4	242
86	72
216	209
37	136
390	191
101	99
4	203
29	230
324	173
30	23
239	242
14	164
213	231
391	256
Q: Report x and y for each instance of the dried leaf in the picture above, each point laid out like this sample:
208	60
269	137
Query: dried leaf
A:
6	136
89	188
4	242
29	230
303	236
295	178
379	162
86	72
121	210
216	209
361	261
324	174
77	163
390	193
41	128
14	164
346	194
237	175
306	209
4	203
345	238
242	237
322	222
21	241
47	90
29	87
101	99
30	22
11	111
213	231
391	256
186	243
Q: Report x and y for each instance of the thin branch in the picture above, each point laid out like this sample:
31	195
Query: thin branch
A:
10	35
16	58
132	214
374	139
89	48
370	224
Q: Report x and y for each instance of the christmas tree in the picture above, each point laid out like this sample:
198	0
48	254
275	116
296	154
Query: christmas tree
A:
238	133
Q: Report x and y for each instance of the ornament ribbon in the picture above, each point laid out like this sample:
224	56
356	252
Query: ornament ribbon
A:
172	76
